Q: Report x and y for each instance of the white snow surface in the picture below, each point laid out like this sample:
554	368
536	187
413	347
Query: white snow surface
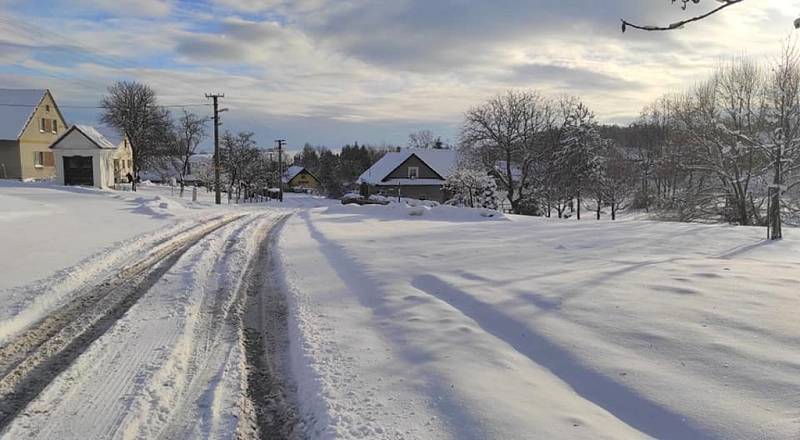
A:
414	320
447	326
173	366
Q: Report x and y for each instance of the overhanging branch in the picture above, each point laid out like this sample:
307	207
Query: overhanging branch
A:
679	24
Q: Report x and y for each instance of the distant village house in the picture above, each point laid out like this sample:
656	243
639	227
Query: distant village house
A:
416	174
299	179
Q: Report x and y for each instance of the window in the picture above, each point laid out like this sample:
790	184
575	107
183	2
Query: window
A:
55	125
413	172
47	108
43	159
41	125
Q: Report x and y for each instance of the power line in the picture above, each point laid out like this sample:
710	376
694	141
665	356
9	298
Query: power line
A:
101	107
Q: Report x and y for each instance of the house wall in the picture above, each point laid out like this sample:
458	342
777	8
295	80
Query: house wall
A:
122	162
422	192
102	165
10	166
34	140
425	172
304	180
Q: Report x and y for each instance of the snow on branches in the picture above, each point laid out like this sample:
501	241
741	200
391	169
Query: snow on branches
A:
472	188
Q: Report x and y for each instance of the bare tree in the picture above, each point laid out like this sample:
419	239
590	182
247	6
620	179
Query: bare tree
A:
426	139
132	109
239	153
579	154
191	131
503	136
782	146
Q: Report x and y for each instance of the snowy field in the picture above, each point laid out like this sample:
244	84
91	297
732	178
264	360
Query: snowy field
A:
451	325
410	322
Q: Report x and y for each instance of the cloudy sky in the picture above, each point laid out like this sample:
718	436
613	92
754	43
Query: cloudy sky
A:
330	72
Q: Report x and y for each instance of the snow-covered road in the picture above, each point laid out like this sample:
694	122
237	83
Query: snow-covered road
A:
172	366
147	338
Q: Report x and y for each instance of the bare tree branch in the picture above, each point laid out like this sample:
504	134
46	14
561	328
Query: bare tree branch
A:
677	25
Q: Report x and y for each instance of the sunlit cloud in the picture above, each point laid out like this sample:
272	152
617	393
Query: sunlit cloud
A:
376	70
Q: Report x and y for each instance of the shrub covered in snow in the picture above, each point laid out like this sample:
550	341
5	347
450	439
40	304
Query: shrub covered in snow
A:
472	189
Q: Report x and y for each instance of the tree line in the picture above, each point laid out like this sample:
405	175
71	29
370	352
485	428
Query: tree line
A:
162	142
339	172
547	155
726	149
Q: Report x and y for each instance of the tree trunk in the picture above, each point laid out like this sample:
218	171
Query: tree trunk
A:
579	205
776	232
599	202
135	165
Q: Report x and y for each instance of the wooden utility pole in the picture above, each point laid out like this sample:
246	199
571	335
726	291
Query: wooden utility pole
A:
215	97
281	143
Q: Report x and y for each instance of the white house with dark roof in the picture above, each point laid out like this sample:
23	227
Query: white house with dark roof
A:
85	157
29	122
413	173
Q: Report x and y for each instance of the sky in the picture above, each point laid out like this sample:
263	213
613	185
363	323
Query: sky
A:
330	72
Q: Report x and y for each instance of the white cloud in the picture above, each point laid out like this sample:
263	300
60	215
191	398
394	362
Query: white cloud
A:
378	63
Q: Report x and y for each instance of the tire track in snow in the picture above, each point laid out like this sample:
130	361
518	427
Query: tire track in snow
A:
265	335
29	362
175	365
23	310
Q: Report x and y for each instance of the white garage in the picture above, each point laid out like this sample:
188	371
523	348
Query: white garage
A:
84	157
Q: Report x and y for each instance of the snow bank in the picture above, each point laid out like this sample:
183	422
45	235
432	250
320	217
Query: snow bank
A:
414	209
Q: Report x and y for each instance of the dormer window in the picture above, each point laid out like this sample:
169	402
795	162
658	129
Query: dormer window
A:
413	172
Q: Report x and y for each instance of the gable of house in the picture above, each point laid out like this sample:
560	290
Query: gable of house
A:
45	123
413	168
34	121
81	137
303	179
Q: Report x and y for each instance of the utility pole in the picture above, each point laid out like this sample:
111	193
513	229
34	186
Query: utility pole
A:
281	143
215	97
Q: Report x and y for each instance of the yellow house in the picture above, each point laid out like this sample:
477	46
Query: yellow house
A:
123	158
300	179
30	122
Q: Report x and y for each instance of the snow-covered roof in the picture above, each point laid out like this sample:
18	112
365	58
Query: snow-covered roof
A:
110	133
89	133
291	173
95	137
441	161
16	109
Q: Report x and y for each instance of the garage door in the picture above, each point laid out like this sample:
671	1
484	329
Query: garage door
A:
78	170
